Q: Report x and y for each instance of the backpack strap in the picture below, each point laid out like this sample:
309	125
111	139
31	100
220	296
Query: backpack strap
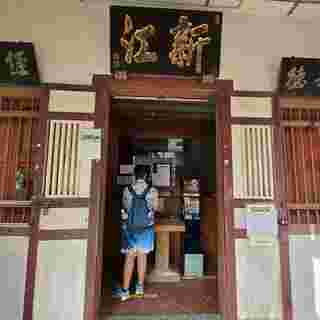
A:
146	191
131	190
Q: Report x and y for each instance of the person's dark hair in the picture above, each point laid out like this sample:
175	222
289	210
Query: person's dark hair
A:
140	171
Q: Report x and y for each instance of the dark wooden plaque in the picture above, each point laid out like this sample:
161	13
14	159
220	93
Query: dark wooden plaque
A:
18	63
165	41
300	77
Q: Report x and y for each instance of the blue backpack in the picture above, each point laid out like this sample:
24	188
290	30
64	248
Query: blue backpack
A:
138	214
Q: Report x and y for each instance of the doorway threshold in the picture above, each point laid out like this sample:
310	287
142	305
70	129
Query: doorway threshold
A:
191	316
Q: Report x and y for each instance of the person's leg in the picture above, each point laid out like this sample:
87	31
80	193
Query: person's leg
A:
128	269
142	266
145	244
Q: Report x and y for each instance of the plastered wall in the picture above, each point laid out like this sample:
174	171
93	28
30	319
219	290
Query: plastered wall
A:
72	41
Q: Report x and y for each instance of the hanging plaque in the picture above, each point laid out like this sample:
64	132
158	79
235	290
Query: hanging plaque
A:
300	77
165	41
18	63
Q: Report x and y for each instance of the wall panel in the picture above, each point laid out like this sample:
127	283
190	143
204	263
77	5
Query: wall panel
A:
13	263
258	280
251	107
60	280
64	218
305	276
72	101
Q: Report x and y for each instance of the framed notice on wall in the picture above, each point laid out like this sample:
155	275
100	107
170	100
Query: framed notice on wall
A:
18	63
165	41
90	143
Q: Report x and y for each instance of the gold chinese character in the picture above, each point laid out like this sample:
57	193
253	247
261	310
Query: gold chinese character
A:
17	63
186	41
140	36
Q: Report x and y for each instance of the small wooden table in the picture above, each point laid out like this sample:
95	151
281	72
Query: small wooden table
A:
162	271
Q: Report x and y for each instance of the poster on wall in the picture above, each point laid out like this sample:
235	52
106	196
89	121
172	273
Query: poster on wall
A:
165	41
18	63
90	143
300	77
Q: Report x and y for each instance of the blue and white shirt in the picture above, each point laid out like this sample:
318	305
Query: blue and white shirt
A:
152	197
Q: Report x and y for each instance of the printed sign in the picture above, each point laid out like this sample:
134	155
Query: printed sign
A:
262	224
175	145
126	168
162	177
90	143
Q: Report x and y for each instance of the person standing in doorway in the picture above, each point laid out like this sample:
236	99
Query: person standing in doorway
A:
140	202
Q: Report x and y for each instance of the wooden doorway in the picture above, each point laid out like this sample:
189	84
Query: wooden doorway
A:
138	126
169	90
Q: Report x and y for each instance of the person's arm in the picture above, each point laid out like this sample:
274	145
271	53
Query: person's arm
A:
125	203
154	199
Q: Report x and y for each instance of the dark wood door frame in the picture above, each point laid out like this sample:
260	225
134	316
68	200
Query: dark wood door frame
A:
38	161
98	207
169	87
227	291
280	188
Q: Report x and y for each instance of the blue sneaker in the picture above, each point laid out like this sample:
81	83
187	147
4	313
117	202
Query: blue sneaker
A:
122	294
139	290
125	294
116	291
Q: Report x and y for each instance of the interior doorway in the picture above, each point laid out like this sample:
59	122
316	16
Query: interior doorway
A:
176	138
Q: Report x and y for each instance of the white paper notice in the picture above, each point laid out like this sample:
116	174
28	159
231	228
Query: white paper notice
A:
89	143
162	177
262	225
175	144
258	223
126	168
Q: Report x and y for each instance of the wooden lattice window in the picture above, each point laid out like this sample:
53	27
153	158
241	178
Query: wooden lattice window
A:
18	119
301	146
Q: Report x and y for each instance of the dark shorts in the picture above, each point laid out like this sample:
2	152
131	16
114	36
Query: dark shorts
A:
142	240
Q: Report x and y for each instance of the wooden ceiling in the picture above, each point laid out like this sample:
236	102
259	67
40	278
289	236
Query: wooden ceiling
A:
155	119
147	110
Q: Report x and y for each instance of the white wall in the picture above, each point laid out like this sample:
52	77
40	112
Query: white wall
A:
252	48
72	42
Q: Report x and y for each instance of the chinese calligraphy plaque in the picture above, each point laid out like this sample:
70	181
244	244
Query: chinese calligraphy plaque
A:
18	63
165	41
300	77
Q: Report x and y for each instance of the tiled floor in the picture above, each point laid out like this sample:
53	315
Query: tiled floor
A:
185	297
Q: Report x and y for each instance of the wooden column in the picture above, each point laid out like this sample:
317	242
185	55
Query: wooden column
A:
162	254
162	271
